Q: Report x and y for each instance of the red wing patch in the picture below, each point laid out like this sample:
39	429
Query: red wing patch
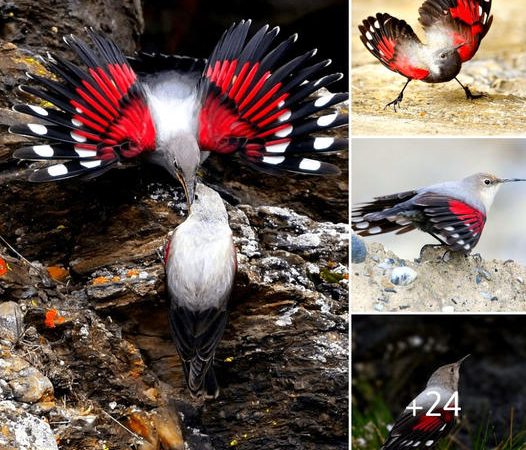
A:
256	100
403	66
456	223
433	423
471	217
389	40
101	111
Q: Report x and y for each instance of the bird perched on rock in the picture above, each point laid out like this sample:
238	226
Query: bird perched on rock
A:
454	30
200	268
453	212
250	97
431	415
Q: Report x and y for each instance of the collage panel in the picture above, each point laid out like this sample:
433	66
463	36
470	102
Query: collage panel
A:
436	46
438	381
174	225
438	225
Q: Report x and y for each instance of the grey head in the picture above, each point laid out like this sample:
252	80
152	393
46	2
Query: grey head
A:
485	186
446	64
208	205
181	157
447	376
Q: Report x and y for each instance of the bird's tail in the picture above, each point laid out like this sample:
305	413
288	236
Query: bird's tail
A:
200	378
382	215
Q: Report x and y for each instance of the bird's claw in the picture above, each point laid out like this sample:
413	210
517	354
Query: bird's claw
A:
471	96
396	102
478	259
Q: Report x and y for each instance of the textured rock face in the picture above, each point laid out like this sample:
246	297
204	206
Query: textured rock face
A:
94	309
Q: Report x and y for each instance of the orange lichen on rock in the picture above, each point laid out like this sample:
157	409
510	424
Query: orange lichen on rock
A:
3	267
100	280
53	319
132	273
57	273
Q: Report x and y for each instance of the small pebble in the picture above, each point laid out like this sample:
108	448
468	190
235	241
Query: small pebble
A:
11	321
403	276
488	296
378	307
358	250
386	264
484	274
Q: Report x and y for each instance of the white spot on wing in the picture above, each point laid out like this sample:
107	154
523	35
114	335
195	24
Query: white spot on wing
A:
274	160
309	164
322	101
90	164
321	143
362	225
285	116
285	132
375	230
76	122
85	153
37	129
57	170
324	121
46	151
77	137
39	110
277	148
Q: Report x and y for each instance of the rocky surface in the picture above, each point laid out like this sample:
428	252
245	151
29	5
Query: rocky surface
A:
498	69
86	351
437	281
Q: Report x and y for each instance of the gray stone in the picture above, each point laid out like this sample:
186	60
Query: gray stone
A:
11	321
358	250
24	431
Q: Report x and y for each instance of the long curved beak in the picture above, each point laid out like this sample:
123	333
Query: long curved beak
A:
510	180
460	361
188	188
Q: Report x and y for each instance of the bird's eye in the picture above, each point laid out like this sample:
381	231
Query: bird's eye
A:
443	56
486	181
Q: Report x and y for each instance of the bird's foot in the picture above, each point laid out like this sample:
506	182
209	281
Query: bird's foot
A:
446	257
471	96
478	259
395	103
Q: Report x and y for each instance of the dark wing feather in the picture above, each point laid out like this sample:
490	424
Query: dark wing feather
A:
255	100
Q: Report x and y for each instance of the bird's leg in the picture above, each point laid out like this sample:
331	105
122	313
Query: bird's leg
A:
469	95
398	99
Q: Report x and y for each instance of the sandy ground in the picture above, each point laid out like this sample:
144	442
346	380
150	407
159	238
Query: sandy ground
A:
498	69
461	284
